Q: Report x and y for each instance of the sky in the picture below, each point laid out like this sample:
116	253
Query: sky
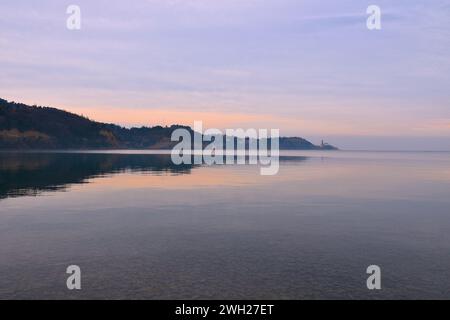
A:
310	68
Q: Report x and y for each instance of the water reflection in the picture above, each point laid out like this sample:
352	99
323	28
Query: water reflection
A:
141	228
24	174
30	174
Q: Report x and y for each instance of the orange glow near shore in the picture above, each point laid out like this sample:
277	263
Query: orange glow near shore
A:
152	117
288	125
351	121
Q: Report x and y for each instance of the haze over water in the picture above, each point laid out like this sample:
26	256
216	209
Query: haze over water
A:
141	227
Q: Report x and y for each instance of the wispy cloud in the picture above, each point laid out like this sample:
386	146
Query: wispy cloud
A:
308	60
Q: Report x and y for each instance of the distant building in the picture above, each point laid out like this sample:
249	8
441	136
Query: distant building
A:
324	144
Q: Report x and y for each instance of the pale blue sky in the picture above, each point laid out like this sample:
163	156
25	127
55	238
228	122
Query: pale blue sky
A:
311	68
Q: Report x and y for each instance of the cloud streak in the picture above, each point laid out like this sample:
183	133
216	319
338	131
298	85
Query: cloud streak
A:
283	59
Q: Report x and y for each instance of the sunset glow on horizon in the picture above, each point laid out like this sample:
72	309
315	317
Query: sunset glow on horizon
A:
310	69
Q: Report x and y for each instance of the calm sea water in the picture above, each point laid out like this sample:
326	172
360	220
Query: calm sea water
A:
141	228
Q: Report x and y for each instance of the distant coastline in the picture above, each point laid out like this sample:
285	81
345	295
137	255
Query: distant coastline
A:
24	127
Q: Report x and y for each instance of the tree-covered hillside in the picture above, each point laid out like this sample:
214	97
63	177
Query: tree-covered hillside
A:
35	127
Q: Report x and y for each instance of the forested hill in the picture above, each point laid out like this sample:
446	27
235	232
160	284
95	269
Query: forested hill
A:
35	127
25	127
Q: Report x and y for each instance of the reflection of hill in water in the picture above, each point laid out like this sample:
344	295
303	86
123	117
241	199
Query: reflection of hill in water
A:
23	174
31	173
